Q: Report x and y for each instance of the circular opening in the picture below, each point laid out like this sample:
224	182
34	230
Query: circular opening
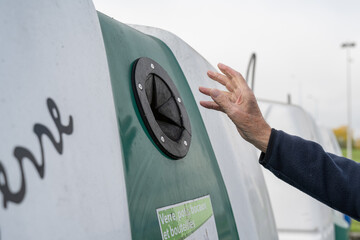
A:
161	108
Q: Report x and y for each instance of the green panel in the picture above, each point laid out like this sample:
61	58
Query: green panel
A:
341	233
152	179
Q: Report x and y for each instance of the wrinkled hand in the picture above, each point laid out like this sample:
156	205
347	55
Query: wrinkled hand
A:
240	104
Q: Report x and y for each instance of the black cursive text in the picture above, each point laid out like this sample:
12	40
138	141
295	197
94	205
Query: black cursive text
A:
22	153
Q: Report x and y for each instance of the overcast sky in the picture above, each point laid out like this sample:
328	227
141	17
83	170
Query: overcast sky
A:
297	43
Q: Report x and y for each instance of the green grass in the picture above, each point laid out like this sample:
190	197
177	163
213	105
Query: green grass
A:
355	225
355	154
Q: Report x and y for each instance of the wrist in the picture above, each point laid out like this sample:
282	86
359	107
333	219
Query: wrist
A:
262	140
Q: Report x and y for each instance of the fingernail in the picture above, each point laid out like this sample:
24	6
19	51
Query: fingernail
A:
210	73
215	93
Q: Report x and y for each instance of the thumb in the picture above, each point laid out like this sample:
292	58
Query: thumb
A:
220	98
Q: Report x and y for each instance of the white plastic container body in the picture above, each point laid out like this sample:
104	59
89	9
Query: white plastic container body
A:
54	49
297	215
237	159
329	141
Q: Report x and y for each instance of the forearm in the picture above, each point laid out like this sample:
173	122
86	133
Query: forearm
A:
331	179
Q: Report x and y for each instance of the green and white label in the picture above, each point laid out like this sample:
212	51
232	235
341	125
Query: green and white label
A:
190	220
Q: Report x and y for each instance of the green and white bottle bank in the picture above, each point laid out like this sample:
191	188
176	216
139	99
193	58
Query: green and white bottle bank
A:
102	136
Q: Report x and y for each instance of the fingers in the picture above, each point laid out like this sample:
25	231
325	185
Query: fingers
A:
228	71
218	77
221	99
208	104
235	77
221	79
211	105
205	90
234	82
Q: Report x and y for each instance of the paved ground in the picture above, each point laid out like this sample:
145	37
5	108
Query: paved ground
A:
355	235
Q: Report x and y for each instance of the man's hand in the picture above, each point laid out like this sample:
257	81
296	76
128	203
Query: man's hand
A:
240	104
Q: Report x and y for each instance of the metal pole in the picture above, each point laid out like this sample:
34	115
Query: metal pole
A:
349	128
348	45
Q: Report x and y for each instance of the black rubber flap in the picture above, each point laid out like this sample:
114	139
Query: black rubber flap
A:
161	108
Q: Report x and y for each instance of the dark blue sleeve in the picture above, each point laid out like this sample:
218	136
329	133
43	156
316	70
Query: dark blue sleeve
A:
331	179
